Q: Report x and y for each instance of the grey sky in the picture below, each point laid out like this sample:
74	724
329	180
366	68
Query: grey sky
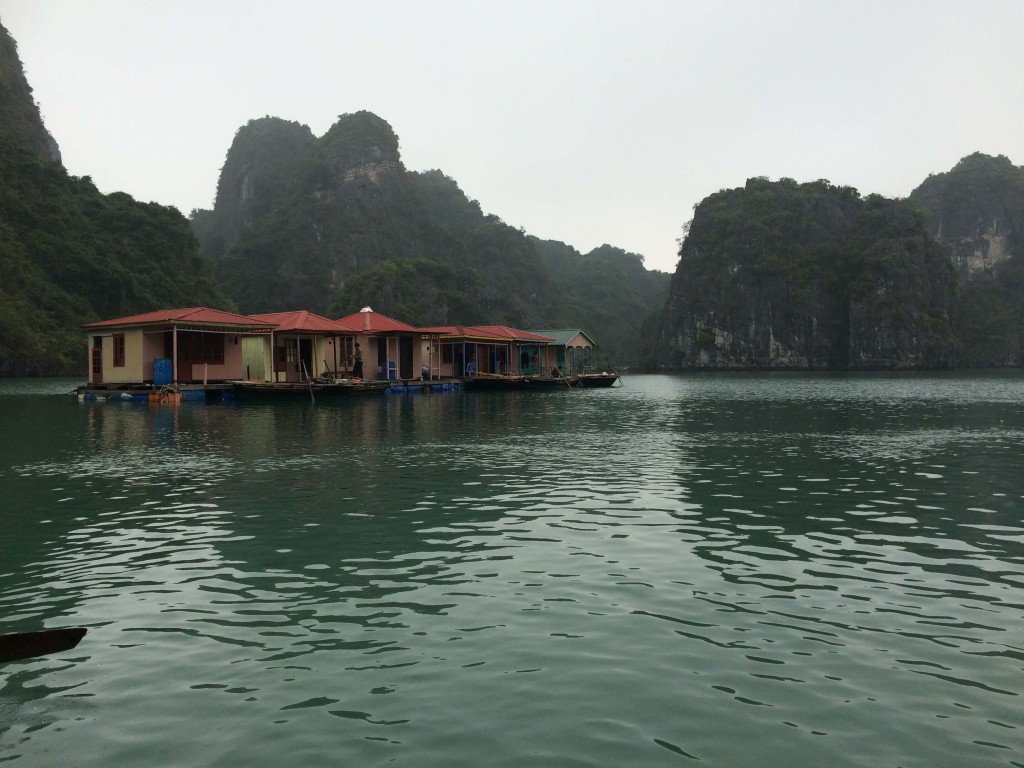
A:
586	122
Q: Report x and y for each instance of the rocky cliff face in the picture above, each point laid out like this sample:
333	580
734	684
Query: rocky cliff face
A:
259	167
977	210
337	222
21	127
779	275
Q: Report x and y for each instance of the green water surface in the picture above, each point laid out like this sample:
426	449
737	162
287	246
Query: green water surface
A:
730	570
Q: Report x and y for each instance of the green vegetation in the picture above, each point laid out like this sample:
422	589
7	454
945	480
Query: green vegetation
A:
343	225
69	255
977	212
773	274
807	276
608	293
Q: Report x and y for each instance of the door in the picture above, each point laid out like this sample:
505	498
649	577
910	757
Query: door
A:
306	359
97	359
405	357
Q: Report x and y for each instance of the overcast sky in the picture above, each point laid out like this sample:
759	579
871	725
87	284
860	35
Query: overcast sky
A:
582	121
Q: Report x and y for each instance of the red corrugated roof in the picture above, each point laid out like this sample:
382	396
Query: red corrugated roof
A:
513	333
304	321
443	330
185	316
368	321
489	332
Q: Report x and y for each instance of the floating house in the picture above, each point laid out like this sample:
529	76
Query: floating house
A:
303	346
391	350
199	352
190	345
570	350
482	351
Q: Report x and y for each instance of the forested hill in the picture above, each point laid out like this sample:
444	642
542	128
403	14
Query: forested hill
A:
328	223
606	292
335	223
977	210
70	255
806	276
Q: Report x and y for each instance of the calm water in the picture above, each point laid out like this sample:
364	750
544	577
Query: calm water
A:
736	570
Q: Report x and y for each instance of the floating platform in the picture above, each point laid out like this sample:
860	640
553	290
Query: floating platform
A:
342	387
228	391
170	394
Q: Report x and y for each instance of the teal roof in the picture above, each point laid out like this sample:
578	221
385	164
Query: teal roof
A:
563	336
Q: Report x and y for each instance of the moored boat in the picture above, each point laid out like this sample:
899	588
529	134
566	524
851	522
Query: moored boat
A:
493	381
555	380
603	379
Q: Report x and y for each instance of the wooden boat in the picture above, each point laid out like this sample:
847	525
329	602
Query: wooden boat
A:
493	381
558	382
603	379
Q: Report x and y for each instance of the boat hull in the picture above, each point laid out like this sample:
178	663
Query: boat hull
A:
598	379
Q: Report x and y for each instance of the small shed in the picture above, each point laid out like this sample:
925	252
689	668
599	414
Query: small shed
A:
571	350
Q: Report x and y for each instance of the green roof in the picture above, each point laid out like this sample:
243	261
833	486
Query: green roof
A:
563	336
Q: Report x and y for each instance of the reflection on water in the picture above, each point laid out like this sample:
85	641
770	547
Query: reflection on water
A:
736	569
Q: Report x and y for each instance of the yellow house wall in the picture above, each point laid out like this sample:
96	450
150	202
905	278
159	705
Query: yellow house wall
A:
256	358
320	348
132	370
328	355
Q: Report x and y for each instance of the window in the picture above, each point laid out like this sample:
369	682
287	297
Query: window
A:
201	347
119	350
